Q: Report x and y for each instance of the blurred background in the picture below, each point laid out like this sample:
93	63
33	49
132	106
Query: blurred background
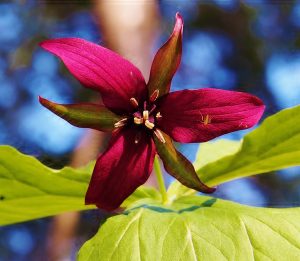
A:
251	46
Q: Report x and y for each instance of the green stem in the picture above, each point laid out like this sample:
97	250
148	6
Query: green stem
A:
160	180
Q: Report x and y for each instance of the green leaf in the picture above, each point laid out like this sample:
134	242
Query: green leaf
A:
272	146
177	190
30	190
212	151
197	228
142	195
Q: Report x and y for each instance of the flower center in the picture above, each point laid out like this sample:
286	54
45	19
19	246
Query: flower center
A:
146	116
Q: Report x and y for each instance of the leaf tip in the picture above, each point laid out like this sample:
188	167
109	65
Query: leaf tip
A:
44	102
179	23
209	190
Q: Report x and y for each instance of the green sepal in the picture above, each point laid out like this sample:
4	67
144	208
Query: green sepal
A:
166	61
179	166
84	115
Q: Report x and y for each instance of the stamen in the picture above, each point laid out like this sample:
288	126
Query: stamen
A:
159	135
149	124
138	121
146	115
158	115
207	120
121	123
145	105
154	96
152	109
134	102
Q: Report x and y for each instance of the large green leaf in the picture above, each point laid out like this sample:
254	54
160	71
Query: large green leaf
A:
272	146
30	190
197	228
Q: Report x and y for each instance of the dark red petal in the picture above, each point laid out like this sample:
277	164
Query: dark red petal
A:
201	115
179	166
84	115
101	69
121	169
166	61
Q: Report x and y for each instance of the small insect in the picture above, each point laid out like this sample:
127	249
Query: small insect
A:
206	119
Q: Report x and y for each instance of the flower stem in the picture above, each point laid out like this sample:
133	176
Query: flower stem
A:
160	180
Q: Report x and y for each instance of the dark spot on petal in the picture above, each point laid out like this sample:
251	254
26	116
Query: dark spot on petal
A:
2	197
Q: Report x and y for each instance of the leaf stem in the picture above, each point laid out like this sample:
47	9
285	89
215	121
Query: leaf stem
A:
160	180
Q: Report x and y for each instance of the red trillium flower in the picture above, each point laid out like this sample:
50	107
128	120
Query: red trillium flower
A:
144	118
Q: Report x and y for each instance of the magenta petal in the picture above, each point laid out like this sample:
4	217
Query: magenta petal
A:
166	61
201	115
101	69
121	169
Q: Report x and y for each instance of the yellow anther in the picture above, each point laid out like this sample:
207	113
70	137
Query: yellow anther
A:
134	102
206	119
159	135
138	121
146	115
158	115
149	124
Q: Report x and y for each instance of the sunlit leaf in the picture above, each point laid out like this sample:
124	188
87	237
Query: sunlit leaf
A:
30	190
211	151
197	228
177	190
